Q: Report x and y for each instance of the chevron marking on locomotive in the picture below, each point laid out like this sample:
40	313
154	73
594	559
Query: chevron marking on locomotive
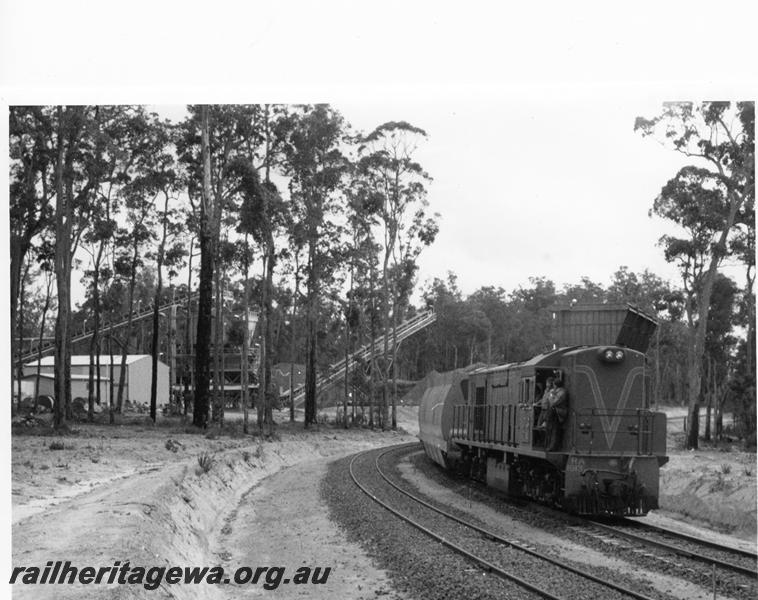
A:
440	391
610	425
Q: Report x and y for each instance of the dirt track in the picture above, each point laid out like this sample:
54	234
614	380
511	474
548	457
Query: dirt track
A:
168	512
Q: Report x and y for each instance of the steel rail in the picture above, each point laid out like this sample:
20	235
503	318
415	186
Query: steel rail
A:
485	533
497	538
728	566
445	542
691	538
678	550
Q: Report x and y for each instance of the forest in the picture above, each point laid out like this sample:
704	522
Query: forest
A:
287	212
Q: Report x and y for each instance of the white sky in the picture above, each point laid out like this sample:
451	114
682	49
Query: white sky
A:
529	185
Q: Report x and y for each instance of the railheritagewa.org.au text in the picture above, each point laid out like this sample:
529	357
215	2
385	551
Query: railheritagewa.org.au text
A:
123	573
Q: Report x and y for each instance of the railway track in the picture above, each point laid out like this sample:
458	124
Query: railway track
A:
728	571
477	544
677	534
722	557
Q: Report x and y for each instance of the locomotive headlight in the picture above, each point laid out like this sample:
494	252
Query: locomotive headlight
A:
611	355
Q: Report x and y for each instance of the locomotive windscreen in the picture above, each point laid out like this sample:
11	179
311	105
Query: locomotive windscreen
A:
602	324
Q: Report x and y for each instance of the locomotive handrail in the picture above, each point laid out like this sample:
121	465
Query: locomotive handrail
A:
499	429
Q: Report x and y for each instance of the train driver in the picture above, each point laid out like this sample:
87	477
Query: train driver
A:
541	406
556	415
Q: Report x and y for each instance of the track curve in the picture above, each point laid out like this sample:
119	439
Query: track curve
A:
486	535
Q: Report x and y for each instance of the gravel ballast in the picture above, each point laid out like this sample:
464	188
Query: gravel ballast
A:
423	568
418	566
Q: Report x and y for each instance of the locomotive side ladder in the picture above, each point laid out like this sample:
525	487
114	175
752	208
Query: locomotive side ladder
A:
364	353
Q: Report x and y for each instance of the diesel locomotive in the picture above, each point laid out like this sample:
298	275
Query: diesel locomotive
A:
603	456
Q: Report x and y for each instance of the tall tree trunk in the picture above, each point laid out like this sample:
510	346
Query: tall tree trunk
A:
294	337
386	333
347	371
750	300
202	346
358	365
268	391
263	322
92	351
372	356
48	286
111	374
171	330
269	265
719	421
187	362
245	364
17	259
217	415
63	215
710	392
205	300
20	333
348	316
311	318
310	376
156	318
394	364
129	321
94	348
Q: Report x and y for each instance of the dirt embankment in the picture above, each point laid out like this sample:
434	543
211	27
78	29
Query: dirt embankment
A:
145	497
713	487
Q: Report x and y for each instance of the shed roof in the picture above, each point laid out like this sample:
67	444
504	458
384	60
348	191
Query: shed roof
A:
74	377
83	360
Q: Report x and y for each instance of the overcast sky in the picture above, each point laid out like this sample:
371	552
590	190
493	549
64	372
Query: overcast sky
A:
555	186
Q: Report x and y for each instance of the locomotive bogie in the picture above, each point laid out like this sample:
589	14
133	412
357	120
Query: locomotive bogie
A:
499	476
611	485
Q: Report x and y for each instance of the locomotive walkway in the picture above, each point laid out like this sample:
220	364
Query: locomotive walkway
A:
337	371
